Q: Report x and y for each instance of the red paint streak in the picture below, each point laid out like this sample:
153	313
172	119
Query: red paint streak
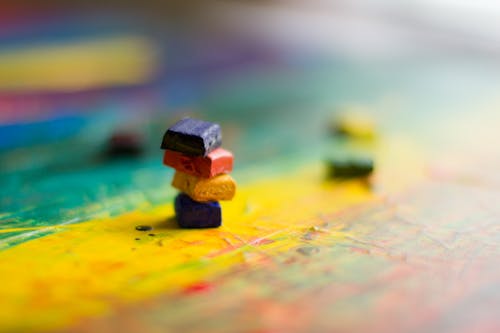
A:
261	241
360	250
197	242
254	242
197	288
290	261
223	251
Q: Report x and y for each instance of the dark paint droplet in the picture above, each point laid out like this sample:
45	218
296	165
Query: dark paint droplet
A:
137	239
308	250
152	235
143	228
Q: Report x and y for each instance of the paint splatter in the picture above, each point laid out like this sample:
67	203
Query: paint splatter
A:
144	228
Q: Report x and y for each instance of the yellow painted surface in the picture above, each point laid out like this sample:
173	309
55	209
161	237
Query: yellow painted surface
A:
221	187
79	65
91	267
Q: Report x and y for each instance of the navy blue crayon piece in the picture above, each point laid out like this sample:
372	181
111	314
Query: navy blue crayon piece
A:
192	214
192	137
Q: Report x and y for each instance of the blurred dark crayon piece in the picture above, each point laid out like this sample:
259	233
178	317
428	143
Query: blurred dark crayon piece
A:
347	168
125	143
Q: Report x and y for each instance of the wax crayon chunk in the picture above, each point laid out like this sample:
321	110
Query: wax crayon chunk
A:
216	162
350	168
125	143
221	187
192	137
192	214
355	126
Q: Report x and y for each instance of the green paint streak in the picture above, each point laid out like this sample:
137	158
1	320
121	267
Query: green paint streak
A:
20	237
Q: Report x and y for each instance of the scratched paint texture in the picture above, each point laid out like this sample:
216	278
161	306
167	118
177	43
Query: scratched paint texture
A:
105	264
325	254
376	267
131	265
416	251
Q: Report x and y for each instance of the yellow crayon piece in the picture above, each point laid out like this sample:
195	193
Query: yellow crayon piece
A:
221	187
354	125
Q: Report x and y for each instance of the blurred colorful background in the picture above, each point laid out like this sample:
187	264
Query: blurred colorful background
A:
75	76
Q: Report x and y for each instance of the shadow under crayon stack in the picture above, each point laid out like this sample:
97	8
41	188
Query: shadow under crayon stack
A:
192	148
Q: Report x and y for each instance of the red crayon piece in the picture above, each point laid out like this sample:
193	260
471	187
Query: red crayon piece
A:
216	162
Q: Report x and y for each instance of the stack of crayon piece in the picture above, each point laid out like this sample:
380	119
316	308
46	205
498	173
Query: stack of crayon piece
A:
192	148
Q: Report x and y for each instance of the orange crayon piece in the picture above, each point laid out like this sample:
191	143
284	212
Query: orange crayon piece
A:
221	187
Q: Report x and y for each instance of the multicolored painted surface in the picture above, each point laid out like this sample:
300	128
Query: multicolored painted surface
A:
296	253
417	250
